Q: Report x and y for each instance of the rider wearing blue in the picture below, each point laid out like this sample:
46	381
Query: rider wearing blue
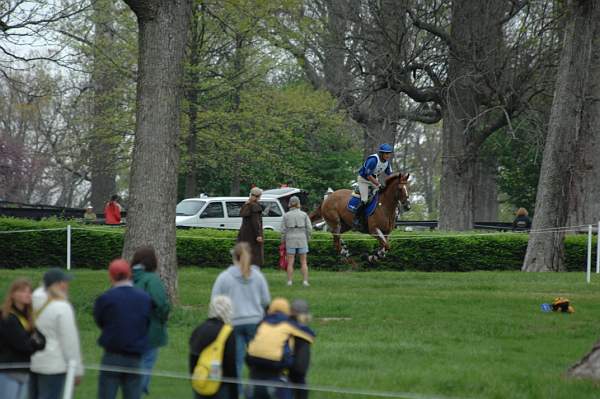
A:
368	176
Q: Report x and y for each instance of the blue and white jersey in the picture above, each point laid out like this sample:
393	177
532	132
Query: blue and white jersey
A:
374	167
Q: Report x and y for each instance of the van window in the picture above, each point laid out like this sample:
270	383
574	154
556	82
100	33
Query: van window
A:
233	209
189	208
270	209
213	210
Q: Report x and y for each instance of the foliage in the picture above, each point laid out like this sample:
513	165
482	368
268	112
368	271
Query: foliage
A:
519	154
293	133
95	246
250	117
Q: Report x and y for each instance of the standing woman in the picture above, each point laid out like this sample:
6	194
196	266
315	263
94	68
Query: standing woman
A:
144	277
55	318
18	339
251	230
247	288
295	234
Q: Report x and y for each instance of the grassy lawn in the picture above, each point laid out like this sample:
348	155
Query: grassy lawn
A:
473	335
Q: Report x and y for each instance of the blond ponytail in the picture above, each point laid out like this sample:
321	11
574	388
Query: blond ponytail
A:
242	258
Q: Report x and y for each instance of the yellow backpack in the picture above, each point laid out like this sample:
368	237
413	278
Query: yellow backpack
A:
209	369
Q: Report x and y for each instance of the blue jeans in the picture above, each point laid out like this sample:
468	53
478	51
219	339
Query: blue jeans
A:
110	381
12	388
46	386
148	361
243	335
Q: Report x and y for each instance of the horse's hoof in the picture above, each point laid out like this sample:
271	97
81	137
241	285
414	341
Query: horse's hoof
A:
372	260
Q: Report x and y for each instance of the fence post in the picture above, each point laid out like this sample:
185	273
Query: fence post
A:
598	249
70	379
589	254
68	247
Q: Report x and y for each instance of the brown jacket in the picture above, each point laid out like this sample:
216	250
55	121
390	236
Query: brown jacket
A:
251	228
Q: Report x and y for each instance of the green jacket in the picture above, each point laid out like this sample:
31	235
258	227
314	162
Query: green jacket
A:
151	283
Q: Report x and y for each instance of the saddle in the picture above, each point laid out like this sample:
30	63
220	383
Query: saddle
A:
354	202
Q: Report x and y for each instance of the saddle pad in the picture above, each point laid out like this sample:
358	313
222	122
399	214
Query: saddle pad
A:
354	202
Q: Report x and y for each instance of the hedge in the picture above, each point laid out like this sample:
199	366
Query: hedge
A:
94	247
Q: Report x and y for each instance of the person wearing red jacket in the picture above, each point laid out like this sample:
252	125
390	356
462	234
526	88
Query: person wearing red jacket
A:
112	211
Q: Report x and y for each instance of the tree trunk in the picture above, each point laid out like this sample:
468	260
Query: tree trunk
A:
163	26
584	206
545	252
235	186
588	366
485	191
456	185
102	143
380	122
192	97
239	64
475	55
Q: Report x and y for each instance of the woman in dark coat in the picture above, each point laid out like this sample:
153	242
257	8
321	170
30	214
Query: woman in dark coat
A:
251	230
19	339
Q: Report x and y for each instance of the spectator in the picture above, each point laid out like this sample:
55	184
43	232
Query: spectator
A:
522	221
220	312
270	353
55	319
112	211
249	293
144	277
123	315
89	216
18	339
251	230
295	233
301	362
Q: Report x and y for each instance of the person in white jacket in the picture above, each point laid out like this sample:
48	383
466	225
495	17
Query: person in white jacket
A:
55	318
295	233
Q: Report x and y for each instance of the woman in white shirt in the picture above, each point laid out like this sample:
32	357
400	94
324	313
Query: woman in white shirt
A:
56	320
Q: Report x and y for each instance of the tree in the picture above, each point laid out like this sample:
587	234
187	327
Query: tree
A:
545	251
163	28
111	81
584	207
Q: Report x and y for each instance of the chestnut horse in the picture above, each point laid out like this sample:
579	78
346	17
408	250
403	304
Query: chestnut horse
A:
380	224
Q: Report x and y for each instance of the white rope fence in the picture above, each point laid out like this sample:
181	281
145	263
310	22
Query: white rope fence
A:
70	379
356	237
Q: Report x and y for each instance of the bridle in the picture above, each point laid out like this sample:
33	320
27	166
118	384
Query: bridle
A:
406	202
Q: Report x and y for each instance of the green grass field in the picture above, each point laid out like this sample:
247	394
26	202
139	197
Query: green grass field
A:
466	335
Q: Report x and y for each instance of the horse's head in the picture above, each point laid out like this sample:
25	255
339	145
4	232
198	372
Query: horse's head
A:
399	184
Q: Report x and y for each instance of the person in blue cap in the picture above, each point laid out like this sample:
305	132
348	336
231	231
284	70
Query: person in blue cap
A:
368	176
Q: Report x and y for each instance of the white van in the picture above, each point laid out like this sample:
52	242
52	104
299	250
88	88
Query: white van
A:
224	212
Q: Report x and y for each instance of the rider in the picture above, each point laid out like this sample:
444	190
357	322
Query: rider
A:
368	176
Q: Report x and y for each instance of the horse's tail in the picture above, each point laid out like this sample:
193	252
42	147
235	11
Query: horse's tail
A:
316	214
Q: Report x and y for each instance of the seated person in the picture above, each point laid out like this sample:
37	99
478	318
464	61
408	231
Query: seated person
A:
522	221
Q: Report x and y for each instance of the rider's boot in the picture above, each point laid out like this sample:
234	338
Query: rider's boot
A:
357	222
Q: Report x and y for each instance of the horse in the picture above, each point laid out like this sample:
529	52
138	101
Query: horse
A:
380	224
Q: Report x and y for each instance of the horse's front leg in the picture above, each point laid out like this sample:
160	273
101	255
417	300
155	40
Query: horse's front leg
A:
384	245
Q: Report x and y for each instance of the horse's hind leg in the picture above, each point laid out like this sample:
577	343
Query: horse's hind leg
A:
340	245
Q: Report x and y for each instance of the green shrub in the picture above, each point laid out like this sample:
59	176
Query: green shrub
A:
94	247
